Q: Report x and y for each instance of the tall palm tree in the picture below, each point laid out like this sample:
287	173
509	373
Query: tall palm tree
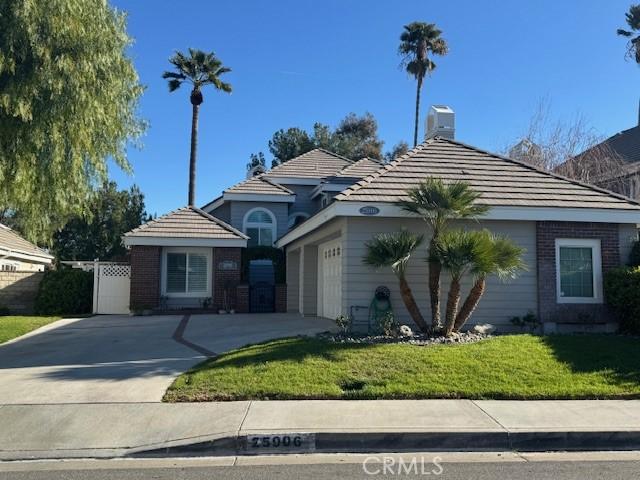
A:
394	250
198	69
438	204
418	42
456	250
494	255
633	20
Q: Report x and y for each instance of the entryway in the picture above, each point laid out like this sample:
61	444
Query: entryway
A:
111	283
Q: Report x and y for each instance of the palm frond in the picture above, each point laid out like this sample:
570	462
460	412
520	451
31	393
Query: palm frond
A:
391	250
199	68
174	84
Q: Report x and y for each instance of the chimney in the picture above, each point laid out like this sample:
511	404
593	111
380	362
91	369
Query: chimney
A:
441	121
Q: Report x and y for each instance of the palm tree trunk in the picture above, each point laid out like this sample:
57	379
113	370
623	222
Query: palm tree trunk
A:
435	267
192	159
470	303
417	122
412	306
452	305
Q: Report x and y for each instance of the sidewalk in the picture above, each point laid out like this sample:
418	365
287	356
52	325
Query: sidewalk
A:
115	430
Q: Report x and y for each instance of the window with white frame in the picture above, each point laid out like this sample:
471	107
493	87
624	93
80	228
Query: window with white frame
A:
187	272
578	271
260	226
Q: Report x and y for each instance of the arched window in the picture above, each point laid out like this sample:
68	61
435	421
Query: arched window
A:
260	225
296	219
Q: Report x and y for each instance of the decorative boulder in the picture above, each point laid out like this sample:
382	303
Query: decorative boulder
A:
405	331
484	328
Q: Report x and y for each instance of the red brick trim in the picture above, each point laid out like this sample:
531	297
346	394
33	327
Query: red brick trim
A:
229	279
145	277
549	310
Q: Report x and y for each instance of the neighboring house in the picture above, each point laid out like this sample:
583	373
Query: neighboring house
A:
21	267
619	155
19	255
573	233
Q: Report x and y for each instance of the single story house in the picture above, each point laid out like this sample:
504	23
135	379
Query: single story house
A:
573	233
20	255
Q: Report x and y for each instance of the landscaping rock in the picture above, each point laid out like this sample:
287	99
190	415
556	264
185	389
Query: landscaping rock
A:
418	339
484	328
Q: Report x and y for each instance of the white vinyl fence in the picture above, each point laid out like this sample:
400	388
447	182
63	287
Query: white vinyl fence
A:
111	288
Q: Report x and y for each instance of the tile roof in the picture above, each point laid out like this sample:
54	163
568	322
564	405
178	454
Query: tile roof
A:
187	222
317	163
362	168
499	180
10	240
626	144
259	185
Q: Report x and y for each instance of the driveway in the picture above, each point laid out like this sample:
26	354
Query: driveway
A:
118	358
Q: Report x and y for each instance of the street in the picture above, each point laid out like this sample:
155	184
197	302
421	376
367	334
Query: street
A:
479	466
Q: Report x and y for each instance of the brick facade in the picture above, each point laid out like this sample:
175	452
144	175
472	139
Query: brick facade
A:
145	277
546	234
18	290
281	298
242	298
226	279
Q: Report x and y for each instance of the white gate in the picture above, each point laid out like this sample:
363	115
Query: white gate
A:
111	288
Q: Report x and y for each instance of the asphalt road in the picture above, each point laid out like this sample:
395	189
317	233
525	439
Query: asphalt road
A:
477	471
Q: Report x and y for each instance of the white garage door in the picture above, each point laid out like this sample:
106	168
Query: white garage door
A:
331	258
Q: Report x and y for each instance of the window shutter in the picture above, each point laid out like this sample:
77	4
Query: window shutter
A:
197	279
176	272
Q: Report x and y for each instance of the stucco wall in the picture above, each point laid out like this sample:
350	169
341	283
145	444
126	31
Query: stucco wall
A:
499	303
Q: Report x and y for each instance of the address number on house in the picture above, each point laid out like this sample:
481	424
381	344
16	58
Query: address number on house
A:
281	442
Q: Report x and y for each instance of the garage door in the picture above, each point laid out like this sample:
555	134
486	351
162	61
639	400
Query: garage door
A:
331	258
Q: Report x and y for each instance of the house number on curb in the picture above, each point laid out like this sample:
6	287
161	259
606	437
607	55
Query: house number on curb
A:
280	442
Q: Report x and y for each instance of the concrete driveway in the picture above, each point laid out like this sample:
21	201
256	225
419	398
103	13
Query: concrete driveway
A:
107	359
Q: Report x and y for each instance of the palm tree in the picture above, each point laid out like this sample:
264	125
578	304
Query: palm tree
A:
197	69
456	250
494	255
438	204
419	40
394	250
633	20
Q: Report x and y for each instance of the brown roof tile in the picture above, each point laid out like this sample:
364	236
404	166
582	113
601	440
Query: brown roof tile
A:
362	168
259	185
187	222
10	240
500	181
317	163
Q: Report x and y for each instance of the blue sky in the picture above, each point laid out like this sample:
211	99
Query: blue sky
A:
298	62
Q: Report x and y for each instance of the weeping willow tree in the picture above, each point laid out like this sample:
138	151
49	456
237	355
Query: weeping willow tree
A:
68	101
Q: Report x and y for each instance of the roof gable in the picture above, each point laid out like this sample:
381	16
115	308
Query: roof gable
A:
187	222
361	168
499	180
259	185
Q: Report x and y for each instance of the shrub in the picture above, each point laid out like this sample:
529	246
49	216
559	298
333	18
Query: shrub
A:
388	325
622	293
67	291
4	310
344	323
634	256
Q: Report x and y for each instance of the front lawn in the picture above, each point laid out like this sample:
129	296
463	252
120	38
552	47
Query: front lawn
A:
13	326
505	367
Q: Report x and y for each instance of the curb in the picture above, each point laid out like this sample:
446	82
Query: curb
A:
366	442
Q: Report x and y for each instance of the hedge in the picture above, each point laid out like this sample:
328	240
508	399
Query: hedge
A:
622	293
67	291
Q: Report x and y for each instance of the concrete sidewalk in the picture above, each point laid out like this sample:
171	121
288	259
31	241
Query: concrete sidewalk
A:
114	430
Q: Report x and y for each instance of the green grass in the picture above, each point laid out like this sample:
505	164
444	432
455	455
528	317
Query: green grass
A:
13	326
505	367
